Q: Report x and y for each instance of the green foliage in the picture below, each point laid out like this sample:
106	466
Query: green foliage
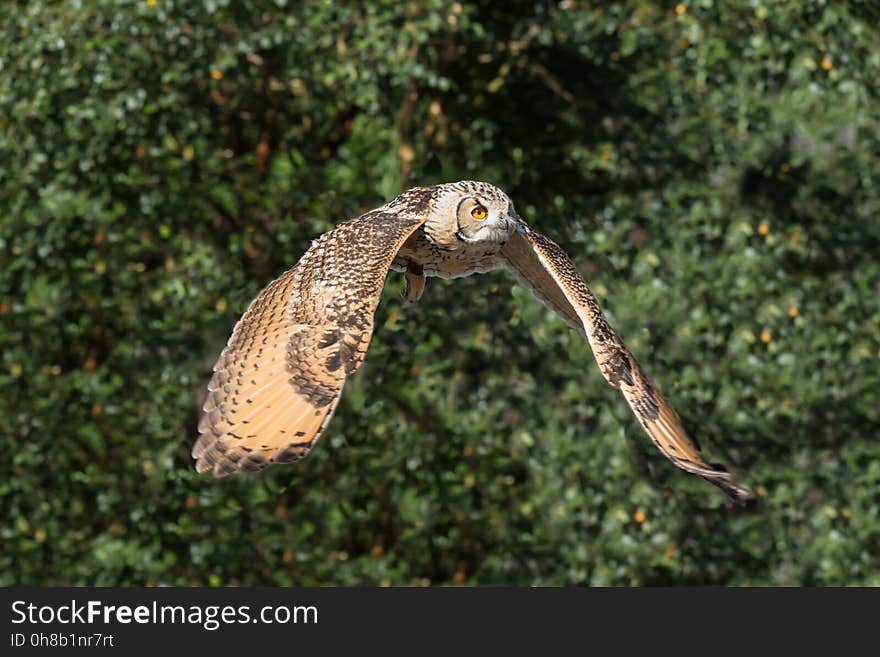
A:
713	168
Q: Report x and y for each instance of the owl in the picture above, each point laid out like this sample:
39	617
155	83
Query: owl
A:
277	382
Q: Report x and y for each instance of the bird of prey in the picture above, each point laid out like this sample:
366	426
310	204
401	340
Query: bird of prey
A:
278	380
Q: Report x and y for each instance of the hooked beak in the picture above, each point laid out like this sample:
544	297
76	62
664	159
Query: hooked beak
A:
515	222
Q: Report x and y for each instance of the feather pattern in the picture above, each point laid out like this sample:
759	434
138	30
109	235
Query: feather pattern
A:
278	380
546	269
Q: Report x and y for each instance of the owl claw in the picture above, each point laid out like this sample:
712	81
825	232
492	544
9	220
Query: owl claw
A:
415	282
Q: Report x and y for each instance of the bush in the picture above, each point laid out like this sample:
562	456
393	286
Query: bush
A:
713	168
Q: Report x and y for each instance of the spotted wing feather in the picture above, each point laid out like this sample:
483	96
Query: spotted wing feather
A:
278	380
548	271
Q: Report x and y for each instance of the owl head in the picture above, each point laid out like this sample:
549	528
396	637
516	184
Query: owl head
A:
477	211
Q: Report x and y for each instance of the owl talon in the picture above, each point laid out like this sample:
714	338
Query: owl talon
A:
415	282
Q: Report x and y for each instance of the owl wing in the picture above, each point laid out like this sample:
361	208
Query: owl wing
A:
278	380
546	269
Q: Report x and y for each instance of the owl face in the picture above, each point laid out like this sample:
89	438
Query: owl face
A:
481	212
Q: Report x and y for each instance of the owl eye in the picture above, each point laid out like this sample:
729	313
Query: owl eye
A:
479	212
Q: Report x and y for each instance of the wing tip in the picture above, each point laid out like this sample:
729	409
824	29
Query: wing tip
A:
218	464
725	481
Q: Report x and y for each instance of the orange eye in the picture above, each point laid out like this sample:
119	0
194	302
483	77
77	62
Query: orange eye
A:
479	212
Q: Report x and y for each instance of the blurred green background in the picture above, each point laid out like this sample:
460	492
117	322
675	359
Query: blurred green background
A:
712	167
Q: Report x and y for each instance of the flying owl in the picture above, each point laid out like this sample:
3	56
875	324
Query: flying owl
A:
277	382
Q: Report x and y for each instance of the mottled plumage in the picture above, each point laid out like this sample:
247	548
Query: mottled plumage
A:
279	378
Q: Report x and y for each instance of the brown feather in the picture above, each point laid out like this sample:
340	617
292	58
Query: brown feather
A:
278	380
548	271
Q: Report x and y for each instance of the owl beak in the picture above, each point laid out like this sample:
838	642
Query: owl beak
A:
515	222
512	219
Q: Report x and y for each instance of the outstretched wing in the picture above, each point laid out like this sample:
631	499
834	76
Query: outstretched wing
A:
278	380
546	269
